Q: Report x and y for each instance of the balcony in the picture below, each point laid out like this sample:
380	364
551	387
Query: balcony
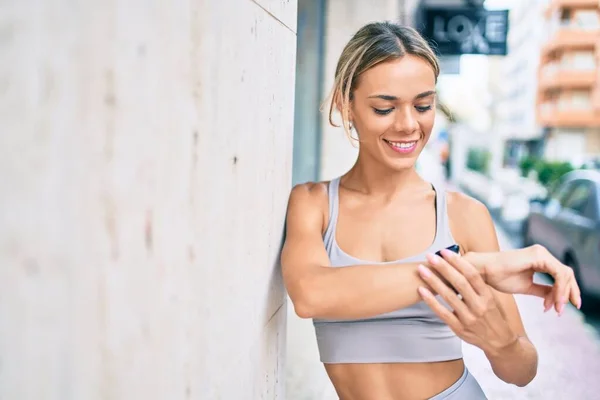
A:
571	38
553	77
552	115
556	5
596	98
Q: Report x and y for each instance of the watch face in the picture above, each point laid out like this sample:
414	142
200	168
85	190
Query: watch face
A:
455	248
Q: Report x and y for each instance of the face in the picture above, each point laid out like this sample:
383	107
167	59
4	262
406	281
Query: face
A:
393	109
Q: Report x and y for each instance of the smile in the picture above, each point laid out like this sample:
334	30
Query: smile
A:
402	147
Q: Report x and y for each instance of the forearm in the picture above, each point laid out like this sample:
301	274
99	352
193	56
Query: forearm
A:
480	260
516	364
359	291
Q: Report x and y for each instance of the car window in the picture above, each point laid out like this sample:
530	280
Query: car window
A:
561	194
579	198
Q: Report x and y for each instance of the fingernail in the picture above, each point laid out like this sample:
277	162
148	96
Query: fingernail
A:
579	303
433	258
447	253
424	271
561	308
423	292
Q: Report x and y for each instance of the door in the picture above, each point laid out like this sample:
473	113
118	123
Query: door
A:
577	223
542	226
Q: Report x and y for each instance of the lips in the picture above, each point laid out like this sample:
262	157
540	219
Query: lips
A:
403	147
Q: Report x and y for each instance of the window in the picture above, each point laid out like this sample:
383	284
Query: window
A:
585	19
578	200
562	193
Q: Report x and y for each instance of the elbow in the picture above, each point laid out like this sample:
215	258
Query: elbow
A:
303	310
520	378
525	381
520	381
304	301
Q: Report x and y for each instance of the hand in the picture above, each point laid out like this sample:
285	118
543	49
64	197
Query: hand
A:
512	272
476	317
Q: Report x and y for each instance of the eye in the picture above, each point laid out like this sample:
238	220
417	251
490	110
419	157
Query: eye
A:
423	109
383	112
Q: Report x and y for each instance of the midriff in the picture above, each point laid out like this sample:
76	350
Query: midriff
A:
393	381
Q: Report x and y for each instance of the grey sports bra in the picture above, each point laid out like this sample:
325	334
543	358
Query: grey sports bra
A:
411	334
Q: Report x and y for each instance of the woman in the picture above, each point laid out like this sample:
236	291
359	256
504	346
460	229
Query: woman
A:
381	331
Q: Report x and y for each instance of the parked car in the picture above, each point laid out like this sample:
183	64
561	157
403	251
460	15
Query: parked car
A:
567	223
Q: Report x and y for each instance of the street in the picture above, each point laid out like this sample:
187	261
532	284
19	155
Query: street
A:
568	348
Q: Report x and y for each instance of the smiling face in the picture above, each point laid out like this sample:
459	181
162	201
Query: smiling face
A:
393	110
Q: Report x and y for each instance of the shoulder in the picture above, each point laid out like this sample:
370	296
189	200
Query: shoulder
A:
308	202
309	193
462	206
471	223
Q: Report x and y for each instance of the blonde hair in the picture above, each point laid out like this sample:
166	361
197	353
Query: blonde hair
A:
374	43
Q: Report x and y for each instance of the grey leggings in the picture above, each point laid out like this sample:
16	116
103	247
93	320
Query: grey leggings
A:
465	388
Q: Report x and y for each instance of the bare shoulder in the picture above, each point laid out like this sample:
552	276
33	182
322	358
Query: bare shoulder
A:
309	194
471	223
308	202
461	205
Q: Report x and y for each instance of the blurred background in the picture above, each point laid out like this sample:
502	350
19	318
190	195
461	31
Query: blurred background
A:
148	150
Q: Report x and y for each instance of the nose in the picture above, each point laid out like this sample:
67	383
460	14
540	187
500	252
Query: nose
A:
406	121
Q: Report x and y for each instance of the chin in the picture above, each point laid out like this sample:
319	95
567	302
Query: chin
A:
402	165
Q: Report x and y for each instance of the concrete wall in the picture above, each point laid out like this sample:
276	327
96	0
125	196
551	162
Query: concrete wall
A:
145	168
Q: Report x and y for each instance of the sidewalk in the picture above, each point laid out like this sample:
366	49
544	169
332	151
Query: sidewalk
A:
568	350
569	357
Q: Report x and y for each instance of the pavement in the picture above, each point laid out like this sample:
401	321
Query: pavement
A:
568	348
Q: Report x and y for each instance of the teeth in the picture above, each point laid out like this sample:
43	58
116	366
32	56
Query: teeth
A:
402	145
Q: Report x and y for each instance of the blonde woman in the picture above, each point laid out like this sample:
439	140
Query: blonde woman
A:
387	326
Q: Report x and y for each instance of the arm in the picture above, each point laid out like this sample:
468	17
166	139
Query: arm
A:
515	362
318	290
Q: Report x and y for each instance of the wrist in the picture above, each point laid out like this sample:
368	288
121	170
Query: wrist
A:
504	349
479	261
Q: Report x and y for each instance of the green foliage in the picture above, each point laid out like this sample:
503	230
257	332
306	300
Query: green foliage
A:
478	160
548	172
527	164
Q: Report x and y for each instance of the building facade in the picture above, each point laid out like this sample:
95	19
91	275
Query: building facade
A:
568	101
514	85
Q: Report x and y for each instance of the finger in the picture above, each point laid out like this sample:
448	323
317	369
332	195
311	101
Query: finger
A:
549	301
575	293
445	315
542	291
467	269
445	292
549	264
566	291
560	283
454	278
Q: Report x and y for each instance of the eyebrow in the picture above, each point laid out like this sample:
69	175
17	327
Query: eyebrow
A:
393	98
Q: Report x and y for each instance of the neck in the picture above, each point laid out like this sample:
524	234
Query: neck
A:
372	177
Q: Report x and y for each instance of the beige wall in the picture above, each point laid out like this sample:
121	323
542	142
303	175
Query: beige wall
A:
145	169
592	142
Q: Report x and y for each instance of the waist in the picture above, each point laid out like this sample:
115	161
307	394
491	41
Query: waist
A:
386	341
395	381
